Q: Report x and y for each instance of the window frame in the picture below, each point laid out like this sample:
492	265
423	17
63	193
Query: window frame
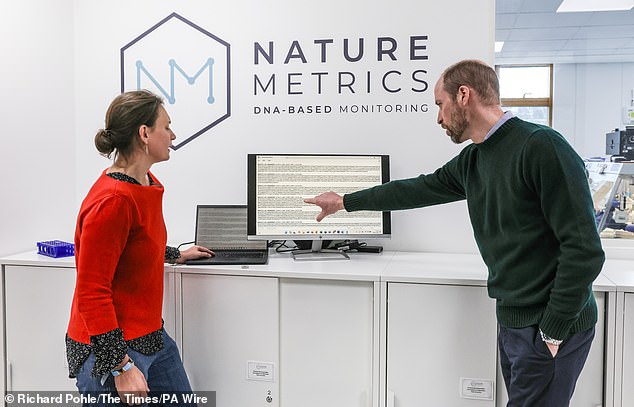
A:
530	102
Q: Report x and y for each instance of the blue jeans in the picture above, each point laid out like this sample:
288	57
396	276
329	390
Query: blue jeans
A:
163	371
533	377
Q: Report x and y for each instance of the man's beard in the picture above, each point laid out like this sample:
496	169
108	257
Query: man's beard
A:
458	126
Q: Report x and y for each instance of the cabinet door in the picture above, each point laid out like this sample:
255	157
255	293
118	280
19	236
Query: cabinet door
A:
327	333
589	388
441	346
628	352
37	306
227	322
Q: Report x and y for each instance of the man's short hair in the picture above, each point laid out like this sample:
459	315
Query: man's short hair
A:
475	74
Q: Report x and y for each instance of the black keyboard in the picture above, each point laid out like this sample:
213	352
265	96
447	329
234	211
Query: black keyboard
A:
248	255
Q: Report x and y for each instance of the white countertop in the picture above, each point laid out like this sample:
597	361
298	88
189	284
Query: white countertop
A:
618	248
620	273
360	267
436	268
403	267
35	259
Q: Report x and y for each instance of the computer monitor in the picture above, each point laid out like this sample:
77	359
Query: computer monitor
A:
279	183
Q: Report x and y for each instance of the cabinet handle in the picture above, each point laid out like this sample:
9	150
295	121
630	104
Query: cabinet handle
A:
390	398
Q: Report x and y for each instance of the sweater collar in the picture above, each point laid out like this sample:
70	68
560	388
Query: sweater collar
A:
129	180
498	134
505	117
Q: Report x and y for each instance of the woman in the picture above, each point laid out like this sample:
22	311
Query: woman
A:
115	339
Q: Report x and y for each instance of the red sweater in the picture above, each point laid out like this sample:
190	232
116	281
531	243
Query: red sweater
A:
120	242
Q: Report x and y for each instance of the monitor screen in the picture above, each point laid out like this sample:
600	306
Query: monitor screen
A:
279	183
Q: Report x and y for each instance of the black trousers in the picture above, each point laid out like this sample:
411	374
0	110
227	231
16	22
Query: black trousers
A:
533	377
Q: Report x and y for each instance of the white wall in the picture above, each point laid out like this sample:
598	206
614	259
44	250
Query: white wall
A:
37	167
62	69
212	169
589	101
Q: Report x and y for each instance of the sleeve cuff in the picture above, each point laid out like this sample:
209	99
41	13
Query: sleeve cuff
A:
171	254
109	349
555	327
350	202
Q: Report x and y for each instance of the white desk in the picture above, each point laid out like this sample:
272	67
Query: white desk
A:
357	330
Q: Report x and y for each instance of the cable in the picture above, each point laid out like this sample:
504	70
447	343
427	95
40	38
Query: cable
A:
349	245
282	243
182	244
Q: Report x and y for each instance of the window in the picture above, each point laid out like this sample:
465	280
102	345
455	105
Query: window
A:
526	90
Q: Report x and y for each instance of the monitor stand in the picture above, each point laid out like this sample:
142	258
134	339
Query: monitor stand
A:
317	253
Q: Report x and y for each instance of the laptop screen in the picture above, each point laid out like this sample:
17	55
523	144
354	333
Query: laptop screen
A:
224	227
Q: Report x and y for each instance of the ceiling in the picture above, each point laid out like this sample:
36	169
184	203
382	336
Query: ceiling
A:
534	33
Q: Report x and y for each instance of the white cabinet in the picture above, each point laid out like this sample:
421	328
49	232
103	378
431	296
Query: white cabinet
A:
441	346
627	380
419	331
228	321
328	334
37	306
314	337
589	389
37	302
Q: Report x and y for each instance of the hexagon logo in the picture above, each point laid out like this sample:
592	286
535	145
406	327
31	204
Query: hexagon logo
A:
188	66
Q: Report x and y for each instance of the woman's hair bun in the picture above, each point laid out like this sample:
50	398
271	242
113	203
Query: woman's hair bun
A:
104	142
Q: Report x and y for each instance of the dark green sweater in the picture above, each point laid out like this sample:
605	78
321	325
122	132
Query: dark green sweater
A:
533	221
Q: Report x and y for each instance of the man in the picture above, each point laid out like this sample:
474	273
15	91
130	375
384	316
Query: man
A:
533	221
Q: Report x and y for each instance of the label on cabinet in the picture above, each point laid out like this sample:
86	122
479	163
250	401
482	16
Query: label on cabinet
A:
261	371
480	389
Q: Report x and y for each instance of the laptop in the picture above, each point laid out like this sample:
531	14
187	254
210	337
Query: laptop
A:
223	229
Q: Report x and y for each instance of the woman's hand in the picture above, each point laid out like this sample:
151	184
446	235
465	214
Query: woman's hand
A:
132	386
194	252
